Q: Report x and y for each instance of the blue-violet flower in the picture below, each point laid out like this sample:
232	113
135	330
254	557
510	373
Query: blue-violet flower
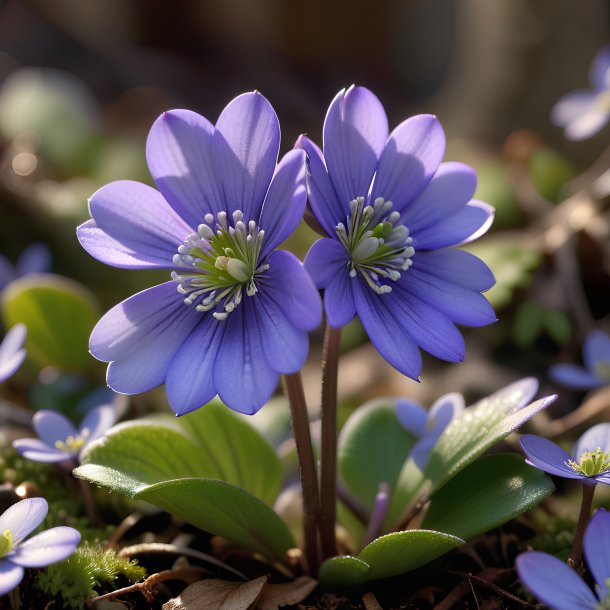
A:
589	461
235	313
59	440
44	548
557	585
36	258
12	353
596	372
392	213
584	112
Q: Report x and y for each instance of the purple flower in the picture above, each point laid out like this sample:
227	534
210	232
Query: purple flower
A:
596	372
584	112
392	213
427	426
589	461
45	548
234	314
12	353
58	440
557	585
36	258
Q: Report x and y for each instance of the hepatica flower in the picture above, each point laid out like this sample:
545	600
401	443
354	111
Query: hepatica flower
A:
584	112
589	461
427	426
558	586
12	352
596	372
36	258
393	212
58	439
41	550
234	313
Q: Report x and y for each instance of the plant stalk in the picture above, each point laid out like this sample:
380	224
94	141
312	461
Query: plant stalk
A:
309	480
583	519
328	477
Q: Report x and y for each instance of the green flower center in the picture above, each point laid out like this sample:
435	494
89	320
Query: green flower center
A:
591	463
6	543
378	249
602	101
602	370
605	603
73	444
221	265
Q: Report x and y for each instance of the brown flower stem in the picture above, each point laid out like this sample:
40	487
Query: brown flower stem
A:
309	480
583	519
328	479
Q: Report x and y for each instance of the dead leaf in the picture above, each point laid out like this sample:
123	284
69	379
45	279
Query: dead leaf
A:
276	596
216	594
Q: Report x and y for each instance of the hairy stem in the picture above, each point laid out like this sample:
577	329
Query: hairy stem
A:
328	478
583	519
309	479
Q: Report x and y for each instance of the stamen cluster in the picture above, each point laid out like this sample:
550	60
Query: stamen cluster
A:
591	463
220	264
378	249
74	443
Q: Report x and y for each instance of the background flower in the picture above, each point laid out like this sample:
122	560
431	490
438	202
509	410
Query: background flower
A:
235	314
45	548
36	258
393	213
12	353
59	439
595	373
557	585
583	113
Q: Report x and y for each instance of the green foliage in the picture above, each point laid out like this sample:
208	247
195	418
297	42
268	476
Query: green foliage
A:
549	171
532	320
90	571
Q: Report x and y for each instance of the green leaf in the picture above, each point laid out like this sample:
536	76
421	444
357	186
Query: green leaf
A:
488	493
373	447
408	486
59	314
211	442
480	427
343	571
224	510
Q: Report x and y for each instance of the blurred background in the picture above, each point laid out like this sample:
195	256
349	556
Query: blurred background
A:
81	83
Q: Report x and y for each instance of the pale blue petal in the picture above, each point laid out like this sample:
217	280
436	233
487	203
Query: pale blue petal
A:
597	437
45	548
23	517
547	456
10	576
597	549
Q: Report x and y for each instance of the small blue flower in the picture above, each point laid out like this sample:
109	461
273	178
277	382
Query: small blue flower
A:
584	112
36	258
41	550
557	585
595	373
589	461
427	426
393	214
12	354
58	440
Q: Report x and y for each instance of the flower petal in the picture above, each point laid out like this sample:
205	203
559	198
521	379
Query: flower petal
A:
587	124
325	260
285	201
385	331
10	576
37	451
243	379
339	303
571	106
36	258
596	350
599	74
355	132
547	456
12	354
597	549
457	267
139	218
23	517
182	164
412	416
467	224
410	158
45	548
554	583
246	145
461	305
190	381
52	426
291	287
325	204
449	190
573	376
443	411
597	437
98	421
